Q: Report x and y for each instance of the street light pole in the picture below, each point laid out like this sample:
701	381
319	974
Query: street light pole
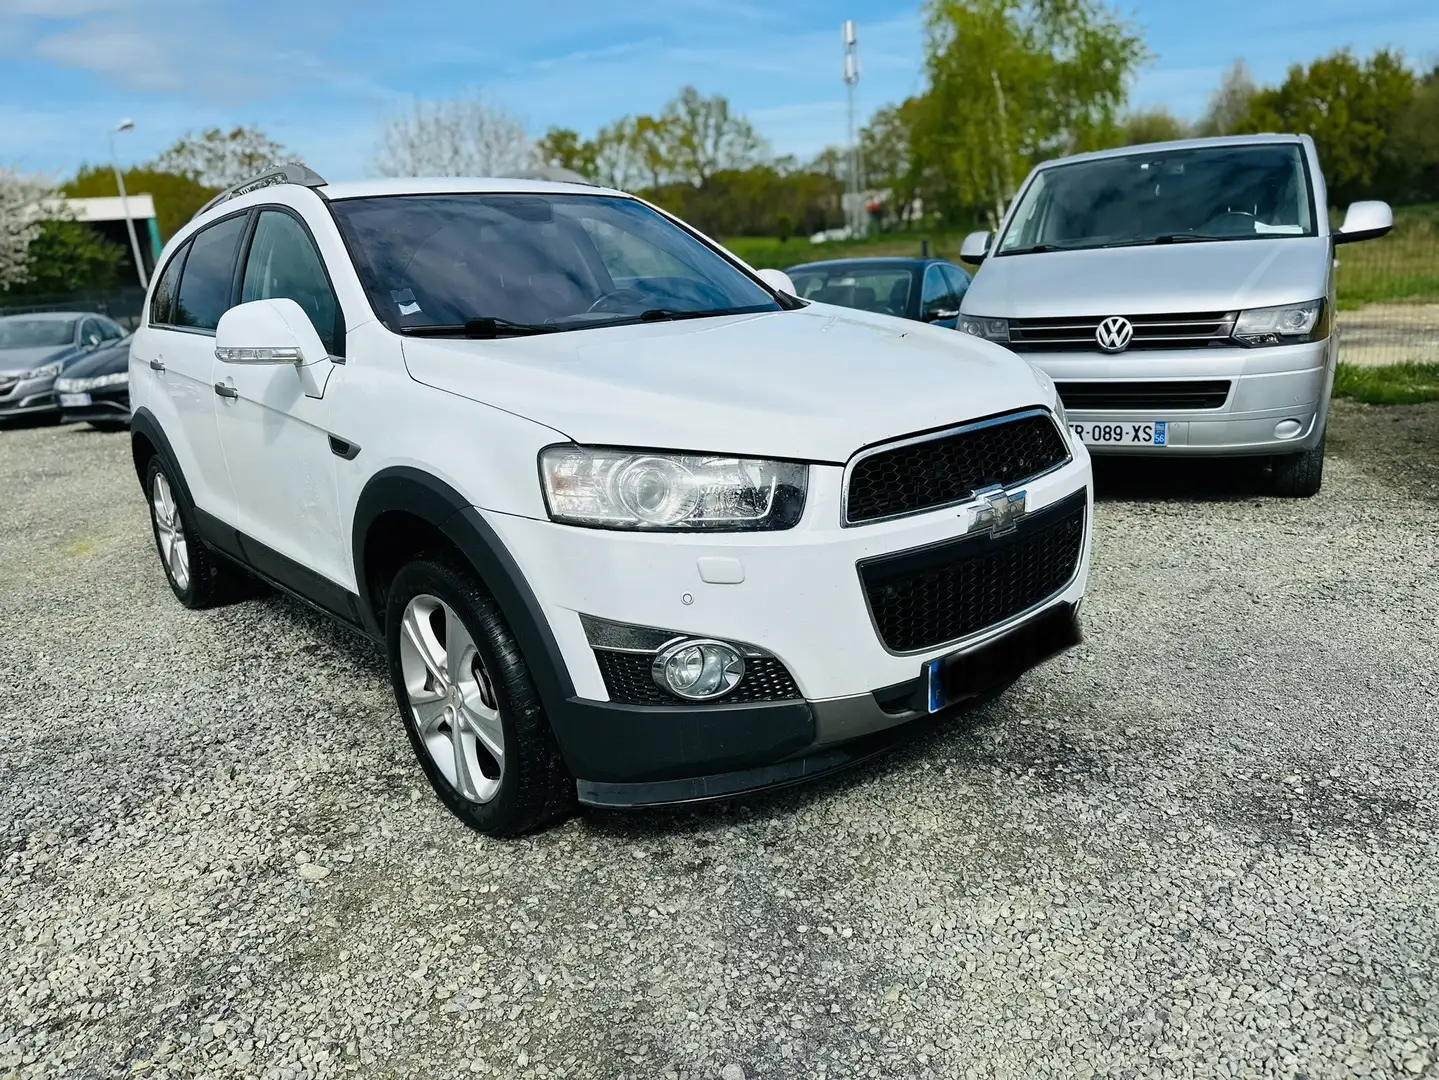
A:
851	81
127	125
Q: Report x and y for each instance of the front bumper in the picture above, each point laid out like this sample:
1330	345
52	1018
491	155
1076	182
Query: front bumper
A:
1277	402
795	594
27	396
107	404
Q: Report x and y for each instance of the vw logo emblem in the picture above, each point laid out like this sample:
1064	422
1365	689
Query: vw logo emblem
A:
1114	334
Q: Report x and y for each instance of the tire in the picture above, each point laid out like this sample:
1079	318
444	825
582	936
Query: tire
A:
457	672
1299	476
198	577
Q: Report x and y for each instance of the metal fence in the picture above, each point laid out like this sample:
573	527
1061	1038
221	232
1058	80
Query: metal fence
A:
123	305
1389	293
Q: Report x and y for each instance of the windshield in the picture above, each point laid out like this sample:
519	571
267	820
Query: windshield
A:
560	262
869	288
1208	193
35	333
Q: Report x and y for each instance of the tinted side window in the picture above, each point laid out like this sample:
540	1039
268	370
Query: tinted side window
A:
162	300
937	293
958	281
89	329
109	331
209	272
283	263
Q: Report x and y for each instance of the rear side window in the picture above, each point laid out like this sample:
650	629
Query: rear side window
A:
208	277
283	263
162	303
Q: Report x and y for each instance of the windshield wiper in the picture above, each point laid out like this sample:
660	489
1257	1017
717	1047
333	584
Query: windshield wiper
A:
482	328
1040	249
1171	238
668	314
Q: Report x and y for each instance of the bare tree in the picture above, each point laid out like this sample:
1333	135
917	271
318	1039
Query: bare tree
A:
1229	105
22	219
458	137
221	159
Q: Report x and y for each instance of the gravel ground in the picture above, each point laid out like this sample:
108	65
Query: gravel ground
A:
1202	845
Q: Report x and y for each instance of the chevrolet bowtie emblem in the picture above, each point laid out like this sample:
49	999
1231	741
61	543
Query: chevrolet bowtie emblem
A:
998	511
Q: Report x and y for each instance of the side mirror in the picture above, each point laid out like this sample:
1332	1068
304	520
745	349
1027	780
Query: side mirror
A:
268	332
940	314
975	247
779	281
1365	221
92	340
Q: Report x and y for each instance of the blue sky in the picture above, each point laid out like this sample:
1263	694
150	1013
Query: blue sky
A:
321	77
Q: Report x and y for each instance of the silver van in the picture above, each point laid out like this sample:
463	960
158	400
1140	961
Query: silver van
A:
1180	294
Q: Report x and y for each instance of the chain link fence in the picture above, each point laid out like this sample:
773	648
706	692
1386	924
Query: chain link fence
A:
1389	293
123	305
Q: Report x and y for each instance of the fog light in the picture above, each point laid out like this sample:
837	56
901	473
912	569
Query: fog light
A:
698	670
1287	429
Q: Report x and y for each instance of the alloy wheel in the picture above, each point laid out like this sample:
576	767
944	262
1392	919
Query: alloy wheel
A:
174	549
452	698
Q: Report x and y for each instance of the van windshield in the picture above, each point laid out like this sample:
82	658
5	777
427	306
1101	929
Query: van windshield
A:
1206	193
515	263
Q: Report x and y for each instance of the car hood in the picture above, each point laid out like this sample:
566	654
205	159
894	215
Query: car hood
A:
18	360
1223	276
814	384
103	361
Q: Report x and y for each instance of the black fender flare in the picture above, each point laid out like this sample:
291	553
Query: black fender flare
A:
143	422
416	492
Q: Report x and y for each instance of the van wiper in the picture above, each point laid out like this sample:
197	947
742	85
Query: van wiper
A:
482	328
1171	238
1037	249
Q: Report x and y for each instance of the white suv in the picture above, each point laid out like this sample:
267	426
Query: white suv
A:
634	525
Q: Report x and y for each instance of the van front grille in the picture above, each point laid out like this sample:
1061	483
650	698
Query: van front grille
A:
1189	330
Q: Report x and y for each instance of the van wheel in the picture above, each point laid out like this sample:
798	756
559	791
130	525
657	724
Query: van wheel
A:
1299	476
198	577
469	703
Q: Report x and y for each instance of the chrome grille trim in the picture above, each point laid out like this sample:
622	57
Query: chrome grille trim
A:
1157	331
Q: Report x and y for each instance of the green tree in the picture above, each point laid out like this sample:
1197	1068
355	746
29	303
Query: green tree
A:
702	135
177	198
69	255
221	159
887	145
1411	156
1013	82
1152	126
1349	108
1229	105
567	150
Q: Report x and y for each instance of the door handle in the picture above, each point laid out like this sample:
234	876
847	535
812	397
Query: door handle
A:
226	391
155	365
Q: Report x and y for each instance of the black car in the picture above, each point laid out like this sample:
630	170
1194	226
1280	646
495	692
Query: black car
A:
35	350
97	388
926	290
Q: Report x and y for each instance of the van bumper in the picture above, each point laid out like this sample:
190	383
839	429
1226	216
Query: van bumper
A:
1277	400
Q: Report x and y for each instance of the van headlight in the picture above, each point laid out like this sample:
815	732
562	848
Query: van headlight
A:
658	491
989	329
1289	324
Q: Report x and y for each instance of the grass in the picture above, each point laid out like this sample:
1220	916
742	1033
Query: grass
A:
1390	384
1402	267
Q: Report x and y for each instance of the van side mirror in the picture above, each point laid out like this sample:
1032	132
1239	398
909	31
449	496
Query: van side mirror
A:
1366	220
975	247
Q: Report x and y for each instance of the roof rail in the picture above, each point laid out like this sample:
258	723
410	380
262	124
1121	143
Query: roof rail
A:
293	173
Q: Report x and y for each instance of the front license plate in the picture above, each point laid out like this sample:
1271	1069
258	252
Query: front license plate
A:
993	665
1147	433
74	401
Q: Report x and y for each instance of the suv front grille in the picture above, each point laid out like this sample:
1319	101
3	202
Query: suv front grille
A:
935	595
1189	330
949	467
629	682
1121	396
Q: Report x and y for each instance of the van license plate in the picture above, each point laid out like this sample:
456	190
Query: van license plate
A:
1147	433
74	401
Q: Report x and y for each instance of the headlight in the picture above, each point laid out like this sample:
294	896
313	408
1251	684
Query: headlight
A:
636	489
46	372
1052	398
1292	324
119	378
989	329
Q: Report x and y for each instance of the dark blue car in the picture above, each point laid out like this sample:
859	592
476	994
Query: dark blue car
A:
926	290
35	350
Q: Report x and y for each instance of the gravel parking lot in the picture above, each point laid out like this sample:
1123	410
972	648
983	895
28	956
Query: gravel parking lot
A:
1202	845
